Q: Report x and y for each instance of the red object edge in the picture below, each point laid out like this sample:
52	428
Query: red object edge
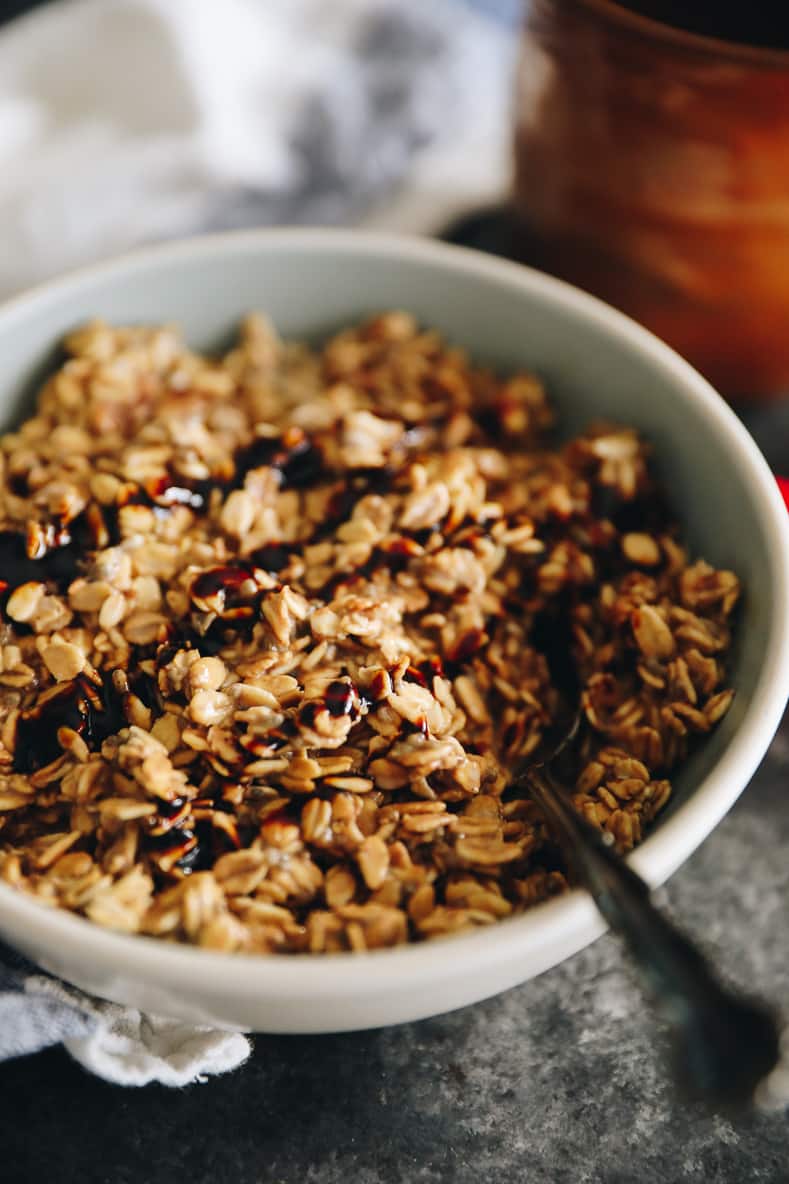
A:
783	485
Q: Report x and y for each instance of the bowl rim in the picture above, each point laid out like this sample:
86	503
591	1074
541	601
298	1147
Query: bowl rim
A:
572	916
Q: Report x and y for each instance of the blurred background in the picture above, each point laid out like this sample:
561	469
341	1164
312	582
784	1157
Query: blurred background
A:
638	148
126	121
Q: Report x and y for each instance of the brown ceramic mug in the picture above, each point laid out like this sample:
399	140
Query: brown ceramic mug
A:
652	168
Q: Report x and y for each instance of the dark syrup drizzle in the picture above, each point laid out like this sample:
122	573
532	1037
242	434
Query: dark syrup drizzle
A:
94	712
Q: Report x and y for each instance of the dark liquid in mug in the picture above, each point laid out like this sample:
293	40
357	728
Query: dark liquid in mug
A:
750	22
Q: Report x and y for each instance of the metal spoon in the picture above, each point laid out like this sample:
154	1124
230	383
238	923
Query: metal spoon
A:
724	1045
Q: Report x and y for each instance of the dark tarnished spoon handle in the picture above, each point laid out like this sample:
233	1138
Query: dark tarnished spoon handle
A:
724	1045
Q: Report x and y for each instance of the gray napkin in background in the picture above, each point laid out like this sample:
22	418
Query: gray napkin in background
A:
252	112
391	111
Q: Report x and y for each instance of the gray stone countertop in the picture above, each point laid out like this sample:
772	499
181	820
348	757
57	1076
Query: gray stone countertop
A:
555	1082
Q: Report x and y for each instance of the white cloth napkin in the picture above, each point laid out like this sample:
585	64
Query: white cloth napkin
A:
123	121
127	1047
120	1044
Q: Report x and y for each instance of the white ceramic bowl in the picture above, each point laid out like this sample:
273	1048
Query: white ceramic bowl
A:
596	363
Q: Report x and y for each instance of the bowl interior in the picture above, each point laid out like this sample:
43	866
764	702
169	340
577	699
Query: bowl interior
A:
595	364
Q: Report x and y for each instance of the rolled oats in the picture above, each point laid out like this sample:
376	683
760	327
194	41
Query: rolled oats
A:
63	660
268	654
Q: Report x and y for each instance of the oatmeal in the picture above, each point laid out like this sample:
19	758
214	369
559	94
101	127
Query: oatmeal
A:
270	640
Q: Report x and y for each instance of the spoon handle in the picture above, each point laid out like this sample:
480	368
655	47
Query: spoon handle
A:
724	1045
